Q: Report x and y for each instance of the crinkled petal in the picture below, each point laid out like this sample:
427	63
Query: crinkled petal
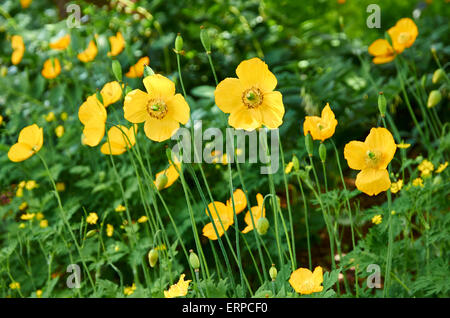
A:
135	106
228	95
272	110
178	109
255	73
373	181
160	130
355	153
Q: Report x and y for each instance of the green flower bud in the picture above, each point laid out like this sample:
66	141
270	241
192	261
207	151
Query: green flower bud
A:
382	104
322	152
438	76
117	70
91	233
262	226
273	272
161	181
193	260
205	39
434	98
309	144
148	71
295	162
178	43
153	257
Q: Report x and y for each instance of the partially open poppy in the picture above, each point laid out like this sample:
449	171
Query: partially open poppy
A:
31	139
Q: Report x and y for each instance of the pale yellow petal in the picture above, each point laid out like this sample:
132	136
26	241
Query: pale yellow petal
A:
255	73
135	106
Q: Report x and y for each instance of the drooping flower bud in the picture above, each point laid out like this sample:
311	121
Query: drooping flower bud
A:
153	257
438	76
193	260
161	181
273	272
309	144
295	162
117	70
322	152
382	104
434	98
178	43
205	39
148	71
262	226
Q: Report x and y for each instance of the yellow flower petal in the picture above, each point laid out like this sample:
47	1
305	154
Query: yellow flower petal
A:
255	73
380	139
243	119
135	106
137	70
20	152
111	93
160	130
62	43
373	181
51	68
272	110
178	109
240	201
228	95
89	53
159	86
355	153
117	44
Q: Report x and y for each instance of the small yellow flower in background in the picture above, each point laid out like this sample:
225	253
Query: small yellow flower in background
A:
377	219
120	138
396	186
117	44
179	289
59	131
129	290
92	115
142	219
111	93
50	117
442	167
61	44
60	187
39	216
27	216
22	225
257	211
43	224
116	248
22	184
25	3
417	182
1	120
92	218
109	230
64	116
289	167
393	212
171	175
38	293
240	201
120	208
30	185
403	34
250	99
137	70
160	108
222	218
19	192
306	282
18	49
372	157
89	53
382	51
51	68
31	139
425	168
23	206
402	145
14	285
323	127
161	247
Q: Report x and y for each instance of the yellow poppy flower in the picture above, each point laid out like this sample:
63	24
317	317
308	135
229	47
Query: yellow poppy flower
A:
417	182
50	117
27	216
18	49
323	127
43	224
257	211
120	138
224	214
425	168
89	53
377	219
179	289
14	285
240	201
23	206
382	51
92	218
160	108
142	219
111	93
31	139
1	120
372	157
109	230
93	116
171	173
51	68
129	290
403	34
59	131
30	185
117	44
397	186
61	44
306	282
137	70
25	3
250	99
120	208
442	167
39	216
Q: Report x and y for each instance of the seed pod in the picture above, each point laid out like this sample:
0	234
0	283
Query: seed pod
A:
153	257
91	233
161	181
309	144
193	260
382	104
117	70
178	43
295	163
205	39
438	76
434	98
273	272
262	226
322	152
148	71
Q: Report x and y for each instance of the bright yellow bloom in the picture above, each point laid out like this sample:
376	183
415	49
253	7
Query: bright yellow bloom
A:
306	282
25	3
109	230
142	219
179	289
27	216
22	225
38	293
403	34
160	108
372	157
111	93
43	224
60	187
120	208
137	70
22	184
18	49
257	211
62	43
19	192
92	115
396	186
323	127
23	206
377	219
382	51
425	168
14	285
117	43
50	117
250	99
51	68
30	185
442	167
39	216
240	201
222	218
89	53
92	218
31	139
64	116
289	167
59	131
417	182
120	138
1	120
129	290
403	145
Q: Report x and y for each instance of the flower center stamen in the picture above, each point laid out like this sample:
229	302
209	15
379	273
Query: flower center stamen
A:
252	97
403	37
156	108
373	158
